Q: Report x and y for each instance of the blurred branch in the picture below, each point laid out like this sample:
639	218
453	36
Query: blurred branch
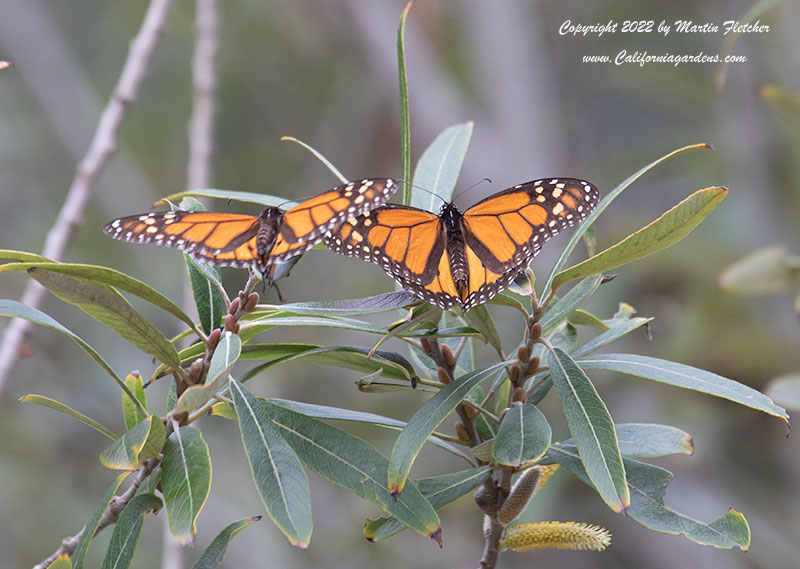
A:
110	516
199	167
201	124
100	150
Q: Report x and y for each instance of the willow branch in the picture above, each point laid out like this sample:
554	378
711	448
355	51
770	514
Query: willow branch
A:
102	146
204	104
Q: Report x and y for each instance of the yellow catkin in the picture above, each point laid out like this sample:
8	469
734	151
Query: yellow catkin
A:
556	535
545	472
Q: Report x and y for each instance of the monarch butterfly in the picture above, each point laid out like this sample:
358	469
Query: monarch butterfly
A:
233	240
465	258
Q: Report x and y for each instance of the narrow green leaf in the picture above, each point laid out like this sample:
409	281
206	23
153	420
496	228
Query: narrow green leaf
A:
688	377
225	355
769	270
87	534
642	440
581	317
439	491
565	336
23	256
58	406
212	556
391	364
185	481
270	320
617	329
133	413
155	439
437	169
18	310
96	275
405	117
424	316
339	414
369	305
264	200
671	227
563	307
480	319
127	531
648	486
426	419
108	306
592	429
123	453
319	157
223	409
604	203
757	10
351	463
279	477
207	296
523	436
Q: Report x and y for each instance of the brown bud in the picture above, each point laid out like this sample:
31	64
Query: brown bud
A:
444	375
230	323
518	395
213	338
234	307
252	300
522	353
533	365
461	432
448	356
513	373
470	410
426	345
484	498
536	331
195	370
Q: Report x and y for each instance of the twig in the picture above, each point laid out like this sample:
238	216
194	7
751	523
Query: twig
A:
110	516
100	150
204	105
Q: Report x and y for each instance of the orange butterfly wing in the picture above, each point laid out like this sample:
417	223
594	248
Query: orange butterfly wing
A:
407	243
227	239
504	231
500	236
199	234
306	224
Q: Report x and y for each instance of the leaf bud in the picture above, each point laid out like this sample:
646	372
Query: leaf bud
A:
461	432
448	356
533	365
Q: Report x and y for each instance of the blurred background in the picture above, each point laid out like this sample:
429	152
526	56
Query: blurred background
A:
325	72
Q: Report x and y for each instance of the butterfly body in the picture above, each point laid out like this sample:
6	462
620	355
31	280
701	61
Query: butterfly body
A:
245	241
467	258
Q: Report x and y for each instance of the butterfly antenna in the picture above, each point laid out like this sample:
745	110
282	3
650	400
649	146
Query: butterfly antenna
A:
420	188
479	182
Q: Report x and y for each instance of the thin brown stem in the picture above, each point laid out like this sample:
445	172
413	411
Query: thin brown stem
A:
102	146
109	517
